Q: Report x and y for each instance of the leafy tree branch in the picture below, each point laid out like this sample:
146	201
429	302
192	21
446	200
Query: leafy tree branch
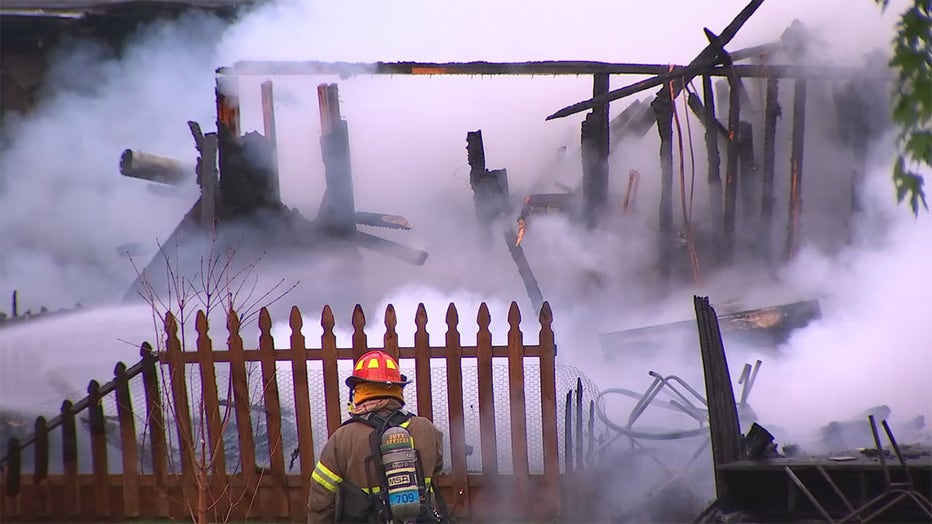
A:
912	100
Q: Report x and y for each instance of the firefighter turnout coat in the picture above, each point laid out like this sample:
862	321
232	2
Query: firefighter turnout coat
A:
343	459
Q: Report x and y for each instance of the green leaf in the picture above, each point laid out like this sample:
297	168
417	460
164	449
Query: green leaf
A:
911	184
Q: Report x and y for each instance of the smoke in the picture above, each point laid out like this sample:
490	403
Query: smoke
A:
66	214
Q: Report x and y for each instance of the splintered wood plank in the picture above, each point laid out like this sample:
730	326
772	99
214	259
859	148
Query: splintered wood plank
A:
724	427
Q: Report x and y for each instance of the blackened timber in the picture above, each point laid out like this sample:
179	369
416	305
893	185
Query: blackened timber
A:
796	167
714	178
268	125
708	57
724	428
392	249
771	113
545	67
524	269
663	112
206	170
595	144
747	169
731	171
337	213
637	87
549	68
698	109
490	187
228	104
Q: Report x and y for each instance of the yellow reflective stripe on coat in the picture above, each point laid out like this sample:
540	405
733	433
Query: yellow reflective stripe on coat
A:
405	425
326	478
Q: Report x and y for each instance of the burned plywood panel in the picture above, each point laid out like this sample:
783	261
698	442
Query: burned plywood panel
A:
762	327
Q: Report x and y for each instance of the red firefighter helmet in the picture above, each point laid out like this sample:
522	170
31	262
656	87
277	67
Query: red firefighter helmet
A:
376	366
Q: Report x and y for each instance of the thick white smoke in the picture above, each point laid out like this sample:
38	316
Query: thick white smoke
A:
65	210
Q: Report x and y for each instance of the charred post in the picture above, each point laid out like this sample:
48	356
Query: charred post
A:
337	213
771	113
724	429
796	168
595	148
489	187
747	169
227	105
206	170
731	170
245	161
663	111
268	125
714	158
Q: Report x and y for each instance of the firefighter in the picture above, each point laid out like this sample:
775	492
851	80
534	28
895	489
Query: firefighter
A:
349	481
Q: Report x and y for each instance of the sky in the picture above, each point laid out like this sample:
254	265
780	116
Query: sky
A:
66	217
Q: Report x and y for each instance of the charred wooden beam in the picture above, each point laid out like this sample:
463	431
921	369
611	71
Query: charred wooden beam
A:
155	168
760	327
707	58
637	87
206	146
631	190
365	218
771	113
550	68
546	67
747	170
735	91
490	187
524	269
796	168
227	93
547	201
724	428
630	122
595	142
337	214
708	121
714	158
731	171
663	112
268	125
392	249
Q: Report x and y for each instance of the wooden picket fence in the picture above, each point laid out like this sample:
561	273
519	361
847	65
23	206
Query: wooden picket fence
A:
205	489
